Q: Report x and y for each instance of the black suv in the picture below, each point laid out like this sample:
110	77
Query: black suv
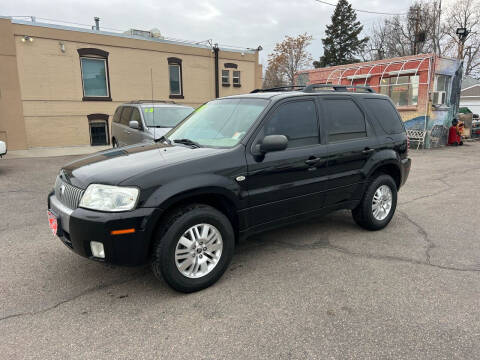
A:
236	166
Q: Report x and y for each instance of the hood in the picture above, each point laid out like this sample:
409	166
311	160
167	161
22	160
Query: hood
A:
113	166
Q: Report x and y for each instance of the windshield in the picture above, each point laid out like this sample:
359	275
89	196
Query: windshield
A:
221	123
164	116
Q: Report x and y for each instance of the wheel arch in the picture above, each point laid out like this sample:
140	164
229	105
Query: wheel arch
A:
389	167
215	197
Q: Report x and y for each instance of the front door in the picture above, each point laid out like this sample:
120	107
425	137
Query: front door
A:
137	135
290	182
351	142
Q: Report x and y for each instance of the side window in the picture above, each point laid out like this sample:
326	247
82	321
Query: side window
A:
385	114
136	117
116	116
297	121
345	120
126	113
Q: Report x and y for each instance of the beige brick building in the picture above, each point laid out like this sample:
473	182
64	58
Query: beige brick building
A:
56	80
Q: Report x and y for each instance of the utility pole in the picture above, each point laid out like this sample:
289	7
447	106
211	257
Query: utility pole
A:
416	37
438	27
462	37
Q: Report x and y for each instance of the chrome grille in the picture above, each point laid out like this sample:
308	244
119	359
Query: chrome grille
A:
67	194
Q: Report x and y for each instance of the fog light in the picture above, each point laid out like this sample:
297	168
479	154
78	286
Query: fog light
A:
97	249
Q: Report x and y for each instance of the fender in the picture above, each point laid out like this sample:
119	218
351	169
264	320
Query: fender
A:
380	158
202	184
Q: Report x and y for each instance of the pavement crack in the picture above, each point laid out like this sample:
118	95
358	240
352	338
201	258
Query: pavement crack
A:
429	243
79	295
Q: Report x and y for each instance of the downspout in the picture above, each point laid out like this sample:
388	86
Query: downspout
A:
215	51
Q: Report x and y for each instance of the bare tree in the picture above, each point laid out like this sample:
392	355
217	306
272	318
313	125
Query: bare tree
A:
464	14
288	57
419	31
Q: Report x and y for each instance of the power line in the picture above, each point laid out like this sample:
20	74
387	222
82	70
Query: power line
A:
363	11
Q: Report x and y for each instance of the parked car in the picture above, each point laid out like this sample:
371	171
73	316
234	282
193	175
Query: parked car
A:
237	166
3	148
140	121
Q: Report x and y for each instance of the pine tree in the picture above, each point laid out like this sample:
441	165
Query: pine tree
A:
342	42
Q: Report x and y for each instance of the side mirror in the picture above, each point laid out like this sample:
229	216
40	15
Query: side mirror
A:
273	143
134	124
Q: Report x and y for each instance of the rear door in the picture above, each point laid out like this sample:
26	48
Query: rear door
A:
290	182
351	141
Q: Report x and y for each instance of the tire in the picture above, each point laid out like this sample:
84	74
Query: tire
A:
166	262
364	215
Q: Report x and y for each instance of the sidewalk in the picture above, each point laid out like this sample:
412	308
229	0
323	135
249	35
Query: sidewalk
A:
54	151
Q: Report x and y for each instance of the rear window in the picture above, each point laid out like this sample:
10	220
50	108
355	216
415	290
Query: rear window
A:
385	114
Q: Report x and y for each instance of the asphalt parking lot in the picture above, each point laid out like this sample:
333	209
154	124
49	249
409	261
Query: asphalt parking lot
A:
324	289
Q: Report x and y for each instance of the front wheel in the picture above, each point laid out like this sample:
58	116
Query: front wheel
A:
378	204
194	247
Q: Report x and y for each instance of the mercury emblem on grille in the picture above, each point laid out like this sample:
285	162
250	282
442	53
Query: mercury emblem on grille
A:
62	189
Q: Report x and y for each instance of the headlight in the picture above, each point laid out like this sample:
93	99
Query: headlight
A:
109	198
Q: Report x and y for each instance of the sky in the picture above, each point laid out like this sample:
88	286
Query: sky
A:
242	23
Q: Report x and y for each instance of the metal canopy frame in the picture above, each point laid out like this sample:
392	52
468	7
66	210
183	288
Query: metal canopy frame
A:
341	74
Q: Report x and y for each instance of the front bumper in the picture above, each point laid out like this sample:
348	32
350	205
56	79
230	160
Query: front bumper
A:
77	228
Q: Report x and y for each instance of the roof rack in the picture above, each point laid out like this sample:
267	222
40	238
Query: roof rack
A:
278	88
312	87
150	102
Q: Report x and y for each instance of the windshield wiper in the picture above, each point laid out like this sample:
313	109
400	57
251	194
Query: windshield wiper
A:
187	142
163	139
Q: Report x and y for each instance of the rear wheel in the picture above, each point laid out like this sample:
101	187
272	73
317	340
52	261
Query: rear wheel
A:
193	248
378	204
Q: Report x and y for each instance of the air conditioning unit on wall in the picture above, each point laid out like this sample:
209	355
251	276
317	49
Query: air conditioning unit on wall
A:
439	98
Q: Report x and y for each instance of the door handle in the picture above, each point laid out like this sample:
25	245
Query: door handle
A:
312	160
367	151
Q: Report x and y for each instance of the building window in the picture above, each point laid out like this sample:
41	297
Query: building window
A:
403	90
236	78
225	78
175	78
95	79
98	124
440	95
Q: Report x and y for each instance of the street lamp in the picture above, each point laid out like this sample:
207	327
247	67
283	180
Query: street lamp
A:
462	34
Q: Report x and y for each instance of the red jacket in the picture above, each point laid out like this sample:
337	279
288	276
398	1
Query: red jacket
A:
453	136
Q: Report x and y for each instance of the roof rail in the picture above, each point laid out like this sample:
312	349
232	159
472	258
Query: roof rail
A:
311	88
150	102
279	88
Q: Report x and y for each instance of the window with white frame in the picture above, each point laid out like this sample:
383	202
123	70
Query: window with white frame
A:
440	95
403	90
94	72
175	78
236	78
225	77
94	77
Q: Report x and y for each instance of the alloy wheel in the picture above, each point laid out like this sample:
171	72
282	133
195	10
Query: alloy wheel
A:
198	250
